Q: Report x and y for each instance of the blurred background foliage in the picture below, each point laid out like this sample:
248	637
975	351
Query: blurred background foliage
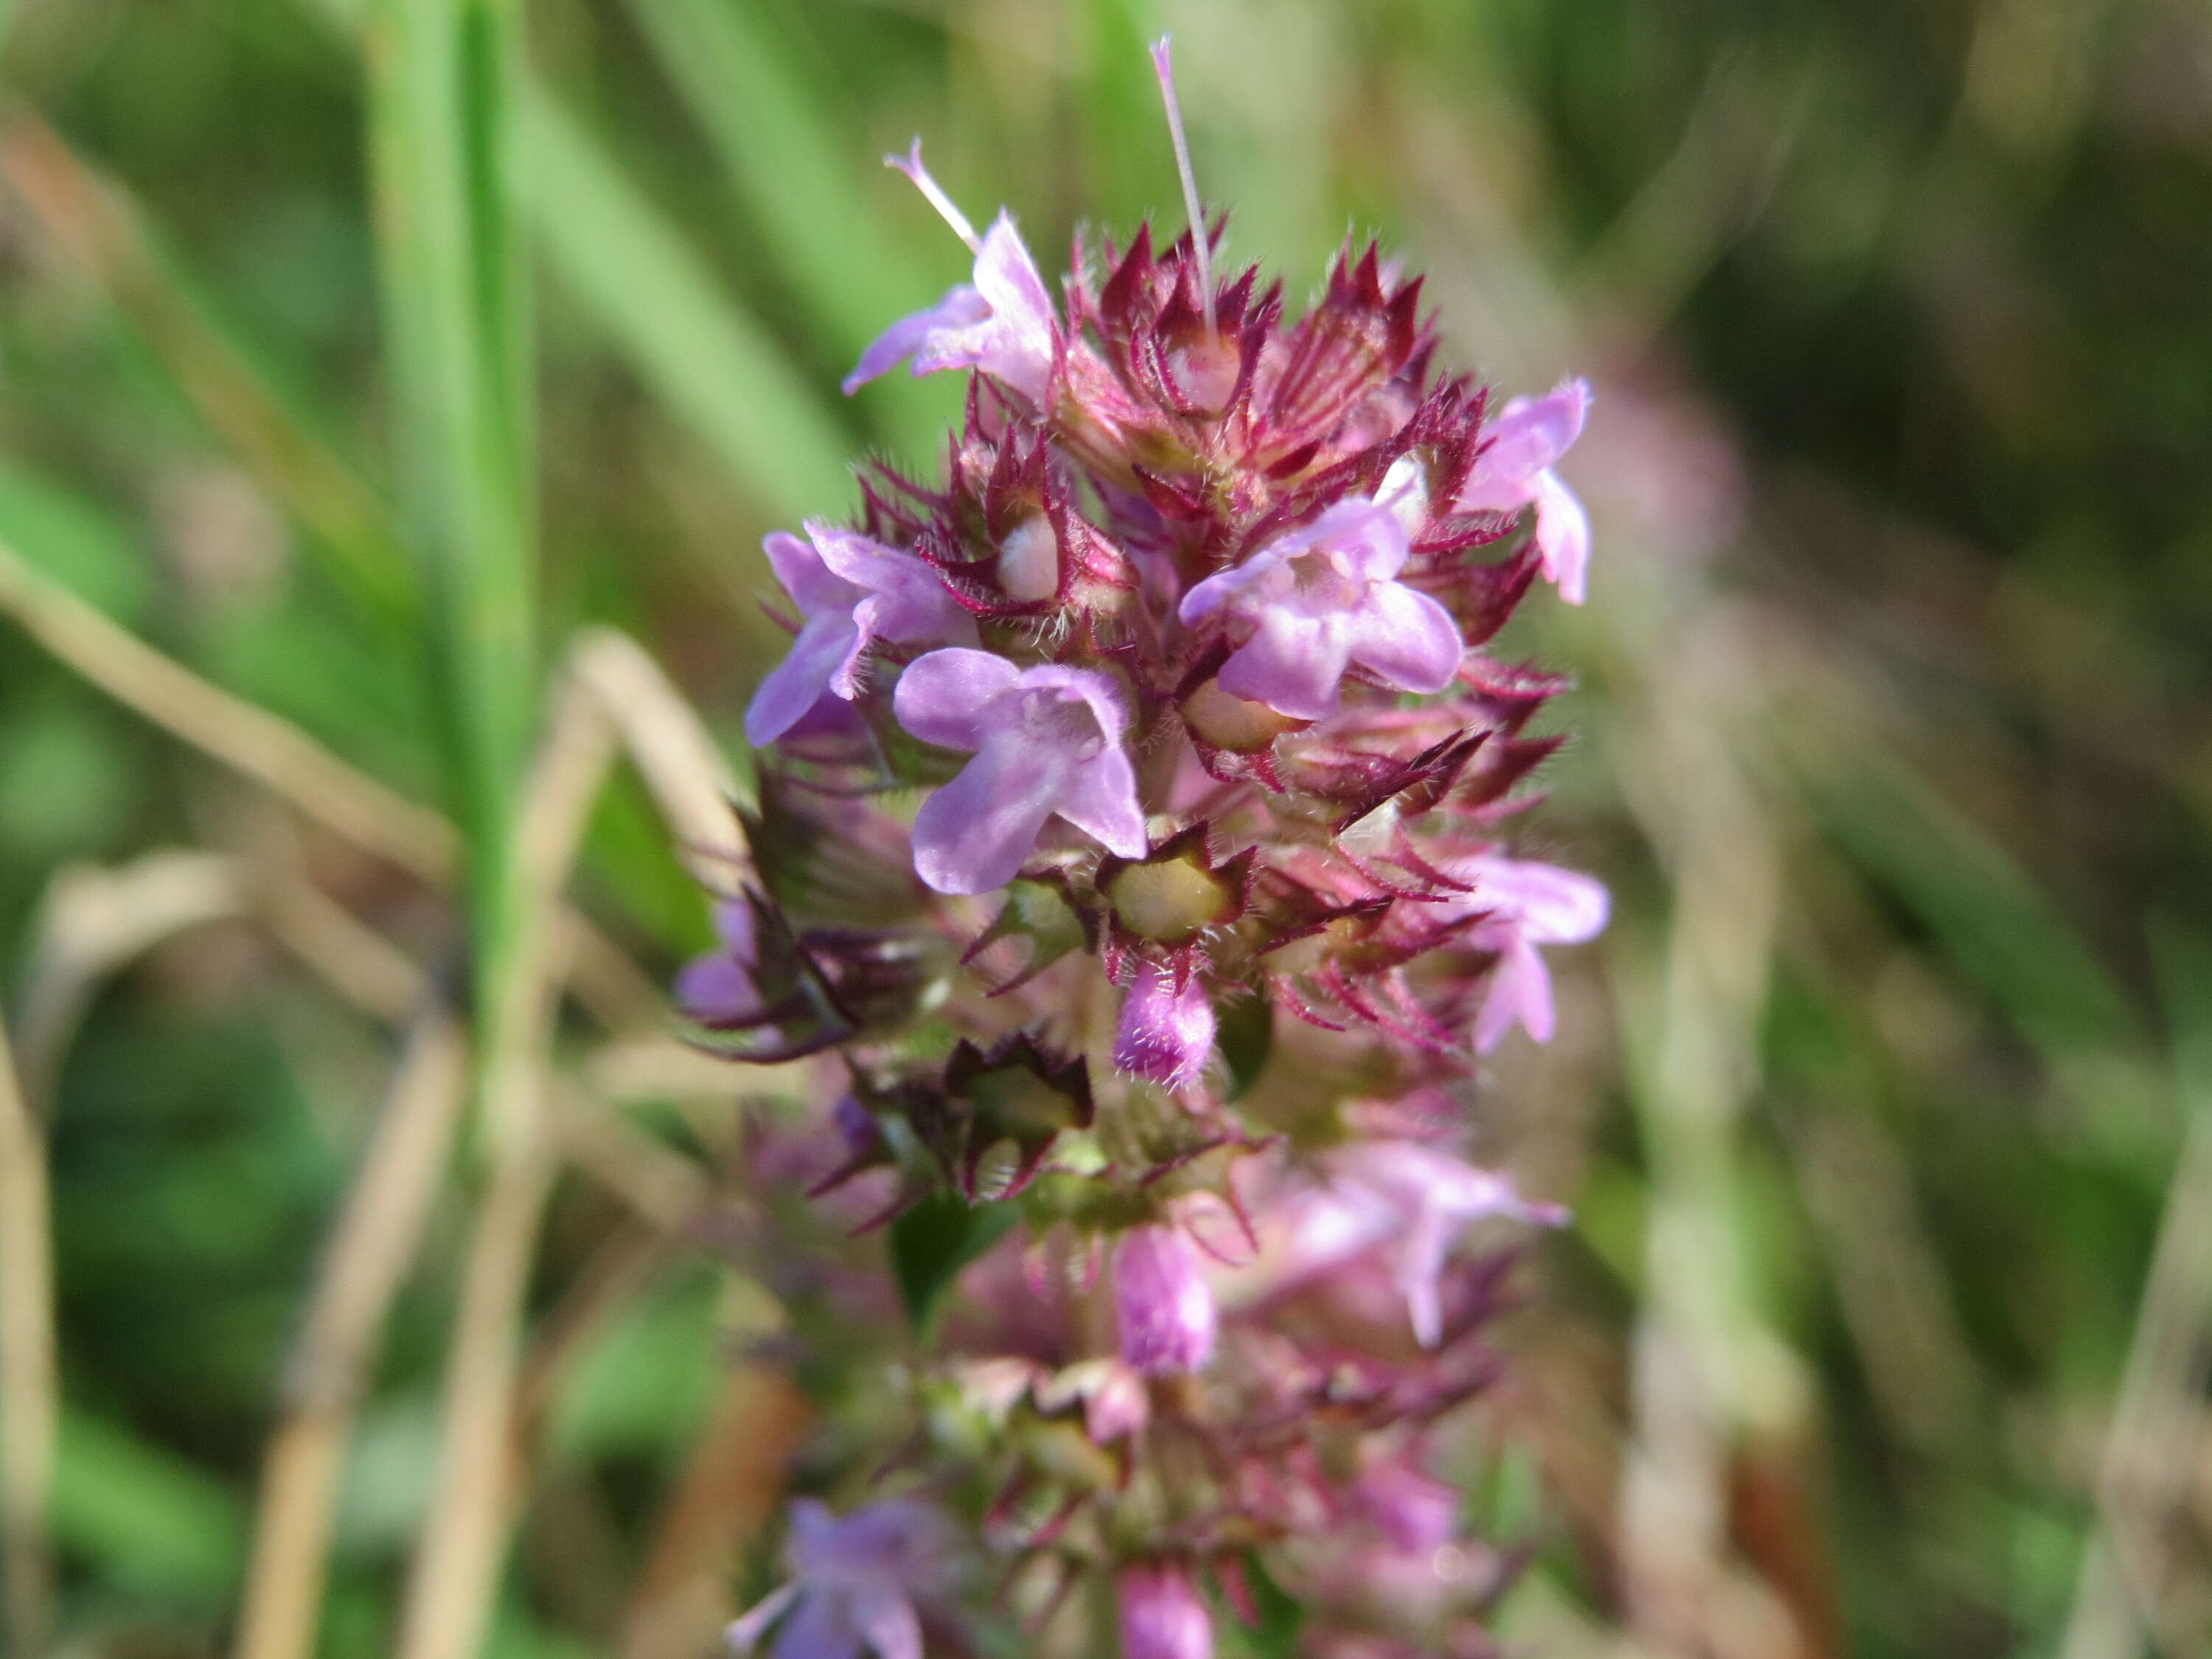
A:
1880	1328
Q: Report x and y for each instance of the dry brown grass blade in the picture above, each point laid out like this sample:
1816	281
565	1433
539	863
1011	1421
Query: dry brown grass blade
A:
92	920
690	781
608	696
375	1240
1709	1379
247	739
97	229
320	786
2155	1442
30	1382
730	1489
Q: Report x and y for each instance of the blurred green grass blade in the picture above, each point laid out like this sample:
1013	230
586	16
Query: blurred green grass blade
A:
149	1520
2183	960
457	324
1124	131
666	313
2000	929
798	174
219	375
665	310
799	181
75	541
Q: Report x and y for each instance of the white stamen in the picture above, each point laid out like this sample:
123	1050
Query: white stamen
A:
910	164
1201	244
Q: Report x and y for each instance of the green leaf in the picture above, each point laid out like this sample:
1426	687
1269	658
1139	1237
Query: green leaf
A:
1247	1038
934	1240
75	542
1282	1618
645	1386
149	1519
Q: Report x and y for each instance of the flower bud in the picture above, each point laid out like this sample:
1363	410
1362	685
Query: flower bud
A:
1169	901
1224	721
1165	1033
1029	561
1162	1616
1166	1309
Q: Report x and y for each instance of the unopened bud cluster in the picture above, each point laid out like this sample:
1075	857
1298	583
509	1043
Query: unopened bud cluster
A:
1130	823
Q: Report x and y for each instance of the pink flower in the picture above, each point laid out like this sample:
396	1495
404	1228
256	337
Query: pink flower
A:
1415	1513
1166	1309
856	1580
1320	600
1514	470
1529	904
1162	1616
1165	1033
1115	1403
1410	1200
1003	323
1047	740
850	592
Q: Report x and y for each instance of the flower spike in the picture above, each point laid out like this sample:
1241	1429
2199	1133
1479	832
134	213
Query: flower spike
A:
1181	651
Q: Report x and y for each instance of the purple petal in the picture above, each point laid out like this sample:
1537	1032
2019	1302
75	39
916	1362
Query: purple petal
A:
1165	1035
1099	798
1165	1309
1520	992
1562	536
1016	340
1553	906
1530	435
1416	1513
943	698
1162	1616
887	1622
733	926
822	1628
911	603
1007	279
960	307
1293	664
1406	639
717	987
1094	689
745	1634
826	650
804	575
974	834
1364	532
1220	591
1420	1264
1116	1404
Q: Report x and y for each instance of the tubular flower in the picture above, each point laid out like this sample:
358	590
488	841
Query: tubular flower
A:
1150	945
1515	471
856	1579
1047	740
1316	602
850	592
1162	1616
1001	324
1525	905
1166	1309
1166	1032
1409	1201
